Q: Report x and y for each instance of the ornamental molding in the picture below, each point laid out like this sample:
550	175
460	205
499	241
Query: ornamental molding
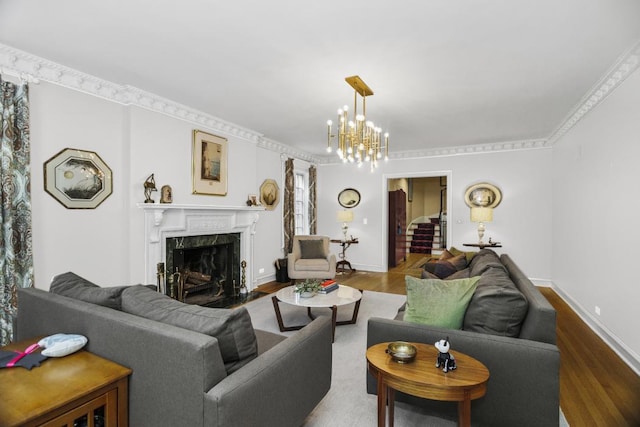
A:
33	68
623	68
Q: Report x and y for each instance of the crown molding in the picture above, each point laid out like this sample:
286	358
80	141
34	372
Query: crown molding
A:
33	68
623	68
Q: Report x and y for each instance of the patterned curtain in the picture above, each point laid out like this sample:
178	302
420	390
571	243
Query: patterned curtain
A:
16	260
288	210
313	203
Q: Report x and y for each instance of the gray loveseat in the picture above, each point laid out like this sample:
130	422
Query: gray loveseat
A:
523	387
179	376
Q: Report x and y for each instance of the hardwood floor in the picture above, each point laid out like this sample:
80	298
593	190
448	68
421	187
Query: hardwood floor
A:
596	387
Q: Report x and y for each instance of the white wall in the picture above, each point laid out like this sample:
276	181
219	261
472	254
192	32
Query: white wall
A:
522	222
106	244
595	209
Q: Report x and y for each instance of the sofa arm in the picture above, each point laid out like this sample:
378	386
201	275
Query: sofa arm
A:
281	386
523	386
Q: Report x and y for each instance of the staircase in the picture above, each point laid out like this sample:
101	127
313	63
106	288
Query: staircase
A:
424	237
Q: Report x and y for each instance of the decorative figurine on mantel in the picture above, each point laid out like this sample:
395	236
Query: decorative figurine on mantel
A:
445	358
166	194
149	187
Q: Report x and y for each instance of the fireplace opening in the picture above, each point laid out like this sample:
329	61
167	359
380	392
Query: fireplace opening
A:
203	270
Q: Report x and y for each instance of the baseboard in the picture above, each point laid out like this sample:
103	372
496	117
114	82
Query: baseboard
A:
627	355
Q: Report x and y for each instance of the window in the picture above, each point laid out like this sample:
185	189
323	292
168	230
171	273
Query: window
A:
301	201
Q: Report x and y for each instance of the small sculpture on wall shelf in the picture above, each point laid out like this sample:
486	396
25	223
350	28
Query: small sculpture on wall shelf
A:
445	358
149	187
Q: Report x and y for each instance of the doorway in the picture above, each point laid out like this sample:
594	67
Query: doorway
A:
417	211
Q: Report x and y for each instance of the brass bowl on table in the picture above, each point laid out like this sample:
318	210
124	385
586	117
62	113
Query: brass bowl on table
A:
402	352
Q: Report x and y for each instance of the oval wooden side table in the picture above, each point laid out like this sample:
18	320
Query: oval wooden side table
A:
421	378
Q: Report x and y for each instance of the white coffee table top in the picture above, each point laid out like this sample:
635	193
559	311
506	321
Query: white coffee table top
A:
342	296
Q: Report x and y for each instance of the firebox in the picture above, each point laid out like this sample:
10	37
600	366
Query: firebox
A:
204	269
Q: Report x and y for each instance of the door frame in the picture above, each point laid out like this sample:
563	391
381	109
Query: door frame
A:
385	205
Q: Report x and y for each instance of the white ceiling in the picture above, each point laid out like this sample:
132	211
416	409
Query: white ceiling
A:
445	73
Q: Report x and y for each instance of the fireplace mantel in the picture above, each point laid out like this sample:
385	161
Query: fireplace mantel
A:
164	221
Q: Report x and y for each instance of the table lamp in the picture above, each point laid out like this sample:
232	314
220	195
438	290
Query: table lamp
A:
481	215
344	217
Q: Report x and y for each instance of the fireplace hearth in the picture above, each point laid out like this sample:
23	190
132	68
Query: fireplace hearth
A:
173	231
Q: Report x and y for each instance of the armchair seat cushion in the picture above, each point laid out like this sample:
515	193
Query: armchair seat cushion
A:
312	264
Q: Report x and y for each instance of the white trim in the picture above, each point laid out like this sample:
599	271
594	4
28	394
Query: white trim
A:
620	348
19	63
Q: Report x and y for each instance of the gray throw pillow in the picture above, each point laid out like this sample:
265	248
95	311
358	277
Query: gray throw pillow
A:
497	306
312	249
231	327
73	286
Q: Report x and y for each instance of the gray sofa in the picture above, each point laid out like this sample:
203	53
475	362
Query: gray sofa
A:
179	376
523	387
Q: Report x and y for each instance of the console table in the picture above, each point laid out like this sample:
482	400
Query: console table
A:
80	388
483	245
343	264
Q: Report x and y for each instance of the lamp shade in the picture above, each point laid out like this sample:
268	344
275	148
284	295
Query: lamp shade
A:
481	214
344	216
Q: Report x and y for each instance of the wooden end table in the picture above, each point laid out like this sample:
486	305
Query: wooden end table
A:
343	264
421	378
342	296
63	390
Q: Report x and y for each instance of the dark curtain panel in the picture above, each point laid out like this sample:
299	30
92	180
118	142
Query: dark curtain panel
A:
16	259
288	210
313	201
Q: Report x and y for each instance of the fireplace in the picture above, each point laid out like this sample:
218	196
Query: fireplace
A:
208	267
209	243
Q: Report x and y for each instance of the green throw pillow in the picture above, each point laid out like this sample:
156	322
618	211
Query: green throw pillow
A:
438	302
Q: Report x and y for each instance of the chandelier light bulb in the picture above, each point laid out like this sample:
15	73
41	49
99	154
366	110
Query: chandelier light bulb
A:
360	118
379	155
329	122
329	149
345	108
361	146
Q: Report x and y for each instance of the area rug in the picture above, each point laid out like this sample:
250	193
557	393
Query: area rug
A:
347	403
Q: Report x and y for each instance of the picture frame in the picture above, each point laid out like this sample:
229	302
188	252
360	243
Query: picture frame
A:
269	194
209	164
482	195
349	198
78	179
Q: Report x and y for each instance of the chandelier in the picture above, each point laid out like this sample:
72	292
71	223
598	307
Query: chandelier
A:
359	139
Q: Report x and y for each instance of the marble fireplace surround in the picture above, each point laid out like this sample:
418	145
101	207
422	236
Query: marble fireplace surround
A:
164	221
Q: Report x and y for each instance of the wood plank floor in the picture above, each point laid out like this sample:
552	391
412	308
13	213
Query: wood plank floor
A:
596	387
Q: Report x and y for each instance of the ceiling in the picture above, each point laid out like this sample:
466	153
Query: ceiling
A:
444	73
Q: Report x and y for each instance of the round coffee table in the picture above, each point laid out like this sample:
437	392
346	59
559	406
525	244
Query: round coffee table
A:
421	378
344	295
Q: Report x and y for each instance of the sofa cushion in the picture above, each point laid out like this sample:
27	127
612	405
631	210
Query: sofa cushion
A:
73	286
468	254
438	302
232	328
497	306
311	249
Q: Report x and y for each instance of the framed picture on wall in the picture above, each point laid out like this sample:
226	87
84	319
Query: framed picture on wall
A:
482	195
269	194
78	179
209	169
